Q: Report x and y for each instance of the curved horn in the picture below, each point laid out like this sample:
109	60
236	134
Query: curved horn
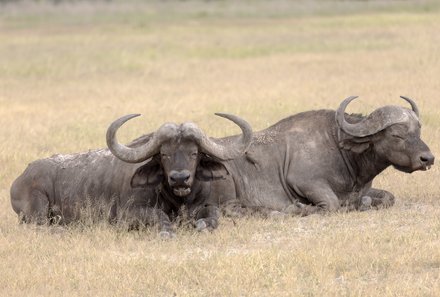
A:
358	129
141	153
228	150
413	105
378	120
370	125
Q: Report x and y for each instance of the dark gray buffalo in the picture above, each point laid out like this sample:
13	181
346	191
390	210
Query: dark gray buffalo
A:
142	183
326	159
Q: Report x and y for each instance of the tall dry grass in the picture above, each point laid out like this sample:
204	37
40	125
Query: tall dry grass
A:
68	70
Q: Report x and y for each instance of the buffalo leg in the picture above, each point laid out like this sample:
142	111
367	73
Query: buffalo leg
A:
322	197
207	218
141	216
32	206
376	198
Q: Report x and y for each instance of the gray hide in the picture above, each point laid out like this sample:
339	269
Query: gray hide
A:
308	163
136	190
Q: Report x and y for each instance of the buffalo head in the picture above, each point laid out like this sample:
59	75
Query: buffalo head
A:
393	133
177	152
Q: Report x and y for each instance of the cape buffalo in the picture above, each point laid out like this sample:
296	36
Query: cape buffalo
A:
142	183
324	159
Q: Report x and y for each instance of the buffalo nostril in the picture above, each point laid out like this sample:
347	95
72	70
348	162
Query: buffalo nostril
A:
179	177
427	159
184	178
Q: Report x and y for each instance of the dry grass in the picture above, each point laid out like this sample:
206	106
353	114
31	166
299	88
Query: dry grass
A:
68	70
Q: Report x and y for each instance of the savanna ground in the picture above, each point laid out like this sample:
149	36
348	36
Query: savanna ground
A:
68	70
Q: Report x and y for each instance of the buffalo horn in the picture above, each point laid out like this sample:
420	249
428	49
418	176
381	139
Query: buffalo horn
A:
358	129
143	152
378	120
226	151
413	104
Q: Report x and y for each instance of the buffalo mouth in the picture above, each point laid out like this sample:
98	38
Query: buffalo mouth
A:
424	167
181	191
421	167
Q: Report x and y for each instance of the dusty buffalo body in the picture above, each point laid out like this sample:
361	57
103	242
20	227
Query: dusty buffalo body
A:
325	159
142	183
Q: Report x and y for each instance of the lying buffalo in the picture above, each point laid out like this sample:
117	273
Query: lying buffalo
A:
327	159
142	183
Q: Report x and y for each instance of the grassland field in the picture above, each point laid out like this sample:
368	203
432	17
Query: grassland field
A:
68	69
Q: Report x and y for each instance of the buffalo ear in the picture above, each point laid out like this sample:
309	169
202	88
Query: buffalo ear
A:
210	169
148	174
356	144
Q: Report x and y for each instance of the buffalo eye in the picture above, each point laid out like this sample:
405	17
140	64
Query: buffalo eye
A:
398	136
164	156
194	155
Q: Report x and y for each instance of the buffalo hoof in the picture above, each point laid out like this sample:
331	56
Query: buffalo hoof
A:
276	215
365	204
167	234
383	202
201	225
294	209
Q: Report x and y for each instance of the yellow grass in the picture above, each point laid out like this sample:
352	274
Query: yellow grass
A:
68	70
